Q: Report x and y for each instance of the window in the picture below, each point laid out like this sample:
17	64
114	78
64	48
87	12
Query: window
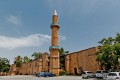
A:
105	72
112	74
119	74
98	72
83	73
89	72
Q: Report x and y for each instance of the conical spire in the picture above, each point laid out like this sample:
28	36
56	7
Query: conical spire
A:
55	13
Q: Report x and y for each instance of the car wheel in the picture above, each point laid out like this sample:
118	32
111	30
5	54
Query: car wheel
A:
88	77
82	77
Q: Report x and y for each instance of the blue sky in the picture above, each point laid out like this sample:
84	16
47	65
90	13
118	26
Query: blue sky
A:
25	24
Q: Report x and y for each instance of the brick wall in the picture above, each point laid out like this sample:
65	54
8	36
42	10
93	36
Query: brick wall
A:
82	60
32	67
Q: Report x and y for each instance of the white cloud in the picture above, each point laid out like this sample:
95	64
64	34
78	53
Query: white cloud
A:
29	41
14	20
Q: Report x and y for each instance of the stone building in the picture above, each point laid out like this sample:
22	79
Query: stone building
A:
82	60
13	69
74	62
32	67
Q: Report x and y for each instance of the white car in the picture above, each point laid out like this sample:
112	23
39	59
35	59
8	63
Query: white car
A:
113	76
101	74
87	74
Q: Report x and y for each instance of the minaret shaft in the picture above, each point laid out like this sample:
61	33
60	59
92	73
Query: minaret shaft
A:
54	39
55	19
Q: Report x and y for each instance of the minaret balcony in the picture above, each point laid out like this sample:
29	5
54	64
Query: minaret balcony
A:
53	47
55	24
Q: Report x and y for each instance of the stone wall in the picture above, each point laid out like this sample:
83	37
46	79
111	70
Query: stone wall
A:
82	60
32	67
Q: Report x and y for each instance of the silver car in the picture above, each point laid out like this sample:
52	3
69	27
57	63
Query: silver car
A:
113	76
101	74
87	74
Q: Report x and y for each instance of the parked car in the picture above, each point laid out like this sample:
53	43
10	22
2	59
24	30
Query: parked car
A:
88	74
49	74
113	76
41	74
101	74
45	74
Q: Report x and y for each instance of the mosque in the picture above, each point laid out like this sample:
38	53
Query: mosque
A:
75	62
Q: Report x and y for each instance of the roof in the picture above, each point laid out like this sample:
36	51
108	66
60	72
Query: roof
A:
82	50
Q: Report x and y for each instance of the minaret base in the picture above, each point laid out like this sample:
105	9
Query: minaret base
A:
55	71
54	61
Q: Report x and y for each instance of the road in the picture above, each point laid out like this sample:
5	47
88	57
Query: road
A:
24	77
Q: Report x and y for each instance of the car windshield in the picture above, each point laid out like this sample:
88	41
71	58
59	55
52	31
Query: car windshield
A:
101	72
49	73
89	72
105	72
98	72
112	74
42	72
83	73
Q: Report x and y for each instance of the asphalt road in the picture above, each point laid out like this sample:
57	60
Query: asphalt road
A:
24	77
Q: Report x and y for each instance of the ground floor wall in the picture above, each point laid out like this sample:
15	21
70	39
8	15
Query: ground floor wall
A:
75	63
32	67
54	61
83	60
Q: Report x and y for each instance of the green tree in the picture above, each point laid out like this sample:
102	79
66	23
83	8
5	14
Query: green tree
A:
109	52
18	61
37	55
26	59
4	65
62	57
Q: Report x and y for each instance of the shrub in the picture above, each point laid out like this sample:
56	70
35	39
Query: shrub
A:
63	73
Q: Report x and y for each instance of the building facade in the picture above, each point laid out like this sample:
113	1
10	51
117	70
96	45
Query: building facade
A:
32	67
83	60
75	62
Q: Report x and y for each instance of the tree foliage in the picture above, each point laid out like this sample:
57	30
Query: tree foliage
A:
18	61
62	57
37	55
109	52
4	65
26	59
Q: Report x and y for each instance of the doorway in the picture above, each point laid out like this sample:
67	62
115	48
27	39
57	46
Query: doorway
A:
75	70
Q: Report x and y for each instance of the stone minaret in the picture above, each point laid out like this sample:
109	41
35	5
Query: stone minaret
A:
54	48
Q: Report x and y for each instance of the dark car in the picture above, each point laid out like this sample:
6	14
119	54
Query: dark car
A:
41	74
49	74
45	74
